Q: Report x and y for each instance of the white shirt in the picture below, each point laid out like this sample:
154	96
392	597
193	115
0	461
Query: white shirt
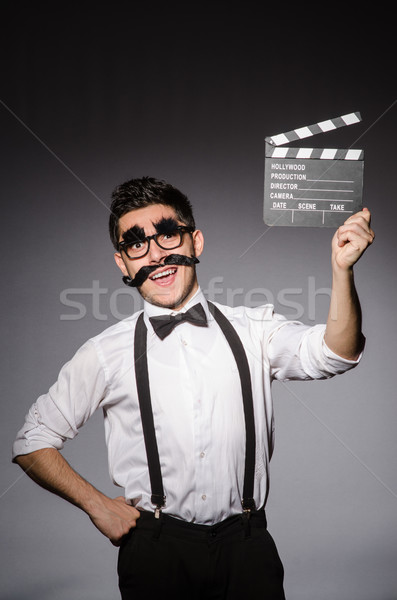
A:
197	404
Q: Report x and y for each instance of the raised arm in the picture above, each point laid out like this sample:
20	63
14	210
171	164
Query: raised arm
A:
343	333
112	516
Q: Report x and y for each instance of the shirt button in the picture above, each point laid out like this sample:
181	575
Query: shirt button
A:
202	454
204	497
184	342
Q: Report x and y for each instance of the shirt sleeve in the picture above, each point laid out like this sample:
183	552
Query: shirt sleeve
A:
58	415
298	351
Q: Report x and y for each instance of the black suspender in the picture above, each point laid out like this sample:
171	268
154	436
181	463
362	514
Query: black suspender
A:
240	357
143	388
145	405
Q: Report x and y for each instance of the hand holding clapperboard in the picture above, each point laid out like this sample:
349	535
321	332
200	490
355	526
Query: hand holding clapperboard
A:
312	187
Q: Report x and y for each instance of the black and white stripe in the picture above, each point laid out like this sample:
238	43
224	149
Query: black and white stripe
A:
273	142
319	153
309	130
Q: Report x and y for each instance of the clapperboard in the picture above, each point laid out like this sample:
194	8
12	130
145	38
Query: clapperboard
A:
312	187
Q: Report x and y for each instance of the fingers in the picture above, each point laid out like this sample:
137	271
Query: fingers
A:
363	217
115	518
126	511
364	213
354	233
120	529
125	525
352	239
356	229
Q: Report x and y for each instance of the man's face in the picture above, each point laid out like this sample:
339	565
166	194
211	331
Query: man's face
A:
175	289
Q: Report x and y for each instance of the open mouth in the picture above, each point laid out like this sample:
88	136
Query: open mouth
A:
165	276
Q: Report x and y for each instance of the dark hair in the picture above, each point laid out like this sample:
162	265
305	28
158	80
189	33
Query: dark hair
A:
139	193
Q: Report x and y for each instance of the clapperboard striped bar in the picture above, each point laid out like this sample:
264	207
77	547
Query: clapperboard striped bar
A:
319	153
313	187
310	130
274	141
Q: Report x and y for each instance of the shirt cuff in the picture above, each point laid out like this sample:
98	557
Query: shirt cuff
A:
21	447
336	359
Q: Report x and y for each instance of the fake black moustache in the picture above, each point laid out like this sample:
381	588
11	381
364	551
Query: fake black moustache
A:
172	259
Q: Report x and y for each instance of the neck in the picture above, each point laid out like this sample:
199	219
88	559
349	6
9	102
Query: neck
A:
188	298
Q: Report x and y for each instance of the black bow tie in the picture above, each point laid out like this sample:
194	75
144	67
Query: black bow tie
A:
164	324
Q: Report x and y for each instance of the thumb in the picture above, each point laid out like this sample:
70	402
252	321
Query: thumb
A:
366	214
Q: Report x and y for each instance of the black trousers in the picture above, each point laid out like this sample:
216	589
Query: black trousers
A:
167	557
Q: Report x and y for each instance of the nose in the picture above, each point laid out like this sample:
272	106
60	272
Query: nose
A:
156	254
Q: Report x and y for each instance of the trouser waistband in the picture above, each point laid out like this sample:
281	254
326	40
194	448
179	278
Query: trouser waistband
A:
169	525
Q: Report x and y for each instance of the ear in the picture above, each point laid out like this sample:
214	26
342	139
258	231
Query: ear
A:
120	263
198	242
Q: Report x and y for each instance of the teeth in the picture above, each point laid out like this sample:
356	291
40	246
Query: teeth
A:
164	273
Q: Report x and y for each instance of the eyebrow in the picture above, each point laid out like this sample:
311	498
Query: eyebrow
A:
166	225
137	234
133	234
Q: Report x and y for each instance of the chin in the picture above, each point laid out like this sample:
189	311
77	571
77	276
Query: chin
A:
163	300
167	299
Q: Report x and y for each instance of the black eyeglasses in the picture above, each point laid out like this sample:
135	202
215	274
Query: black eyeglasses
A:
165	241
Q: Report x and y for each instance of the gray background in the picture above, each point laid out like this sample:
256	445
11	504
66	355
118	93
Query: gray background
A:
92	96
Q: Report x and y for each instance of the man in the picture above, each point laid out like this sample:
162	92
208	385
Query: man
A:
187	406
